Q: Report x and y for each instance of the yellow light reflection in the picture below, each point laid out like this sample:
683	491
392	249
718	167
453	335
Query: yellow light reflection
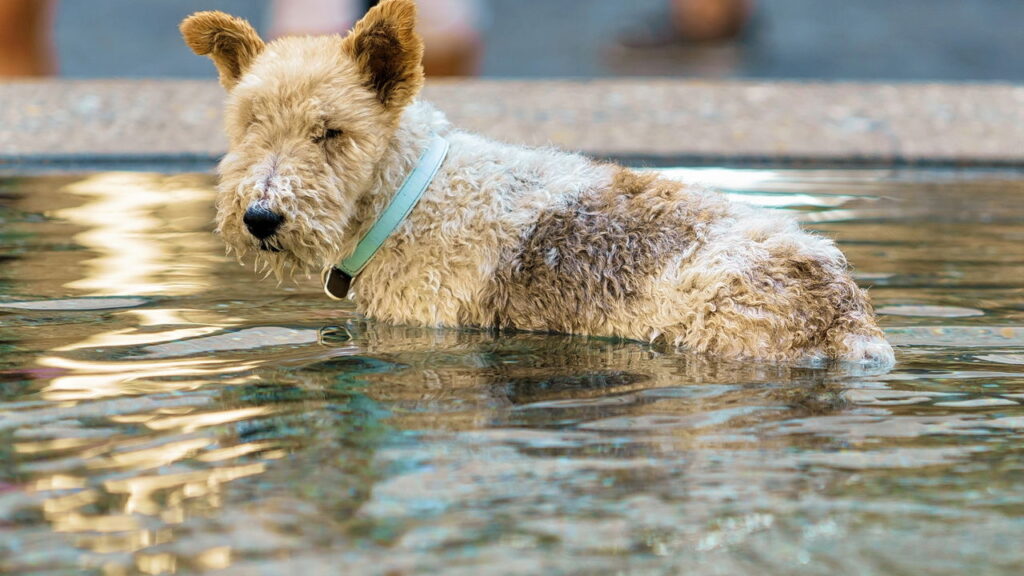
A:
146	317
214	558
156	563
113	542
192	422
69	502
65	522
58	482
232	452
91	380
141	490
152	457
146	234
132	418
132	337
274	454
113	569
52	445
124	226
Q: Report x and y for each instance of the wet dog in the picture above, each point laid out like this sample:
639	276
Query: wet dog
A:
325	134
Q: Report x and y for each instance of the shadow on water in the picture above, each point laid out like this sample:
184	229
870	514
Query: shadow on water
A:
163	411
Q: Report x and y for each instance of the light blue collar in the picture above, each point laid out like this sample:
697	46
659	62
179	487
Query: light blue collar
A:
338	278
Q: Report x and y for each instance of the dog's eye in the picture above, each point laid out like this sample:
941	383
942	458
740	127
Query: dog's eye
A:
328	134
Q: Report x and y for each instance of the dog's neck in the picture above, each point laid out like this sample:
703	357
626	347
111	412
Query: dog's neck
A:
418	123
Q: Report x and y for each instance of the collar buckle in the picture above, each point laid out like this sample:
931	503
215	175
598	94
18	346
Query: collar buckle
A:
336	283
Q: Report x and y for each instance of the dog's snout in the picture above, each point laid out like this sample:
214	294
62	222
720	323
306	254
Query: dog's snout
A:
261	221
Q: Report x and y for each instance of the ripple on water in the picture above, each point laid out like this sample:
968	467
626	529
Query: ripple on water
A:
1002	358
892	397
957	336
75	304
245	339
978	403
929	311
651	422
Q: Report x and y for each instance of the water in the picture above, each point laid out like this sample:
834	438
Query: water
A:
163	411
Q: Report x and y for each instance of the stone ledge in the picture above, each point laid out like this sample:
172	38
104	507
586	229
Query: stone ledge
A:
658	120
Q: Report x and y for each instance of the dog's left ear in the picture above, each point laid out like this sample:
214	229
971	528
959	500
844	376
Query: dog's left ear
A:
388	50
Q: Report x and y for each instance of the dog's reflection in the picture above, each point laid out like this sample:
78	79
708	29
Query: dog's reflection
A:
463	379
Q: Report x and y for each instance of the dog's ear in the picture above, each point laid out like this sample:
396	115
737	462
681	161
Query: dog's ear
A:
230	42
388	50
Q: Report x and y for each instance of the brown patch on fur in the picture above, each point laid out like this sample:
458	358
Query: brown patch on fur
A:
388	50
230	42
583	262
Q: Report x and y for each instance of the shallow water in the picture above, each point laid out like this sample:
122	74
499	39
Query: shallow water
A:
163	411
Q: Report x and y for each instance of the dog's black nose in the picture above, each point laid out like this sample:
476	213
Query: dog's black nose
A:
261	222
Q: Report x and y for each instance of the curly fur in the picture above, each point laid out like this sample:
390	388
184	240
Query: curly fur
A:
323	130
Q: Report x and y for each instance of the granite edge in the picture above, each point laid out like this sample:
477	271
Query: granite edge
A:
649	120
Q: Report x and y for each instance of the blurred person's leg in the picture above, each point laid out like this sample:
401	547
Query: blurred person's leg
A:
707	20
451	37
25	38
449	28
689	21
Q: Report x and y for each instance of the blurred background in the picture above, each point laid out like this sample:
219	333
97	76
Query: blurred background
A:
907	40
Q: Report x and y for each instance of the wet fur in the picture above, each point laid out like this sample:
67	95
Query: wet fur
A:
505	236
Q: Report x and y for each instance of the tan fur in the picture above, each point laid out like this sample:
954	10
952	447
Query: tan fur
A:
230	42
323	131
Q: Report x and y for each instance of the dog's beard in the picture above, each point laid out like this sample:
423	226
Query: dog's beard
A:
270	245
266	258
280	257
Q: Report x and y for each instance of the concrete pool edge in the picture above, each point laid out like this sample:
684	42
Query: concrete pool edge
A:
651	120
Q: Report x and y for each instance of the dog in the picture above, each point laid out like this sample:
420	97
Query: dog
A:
325	133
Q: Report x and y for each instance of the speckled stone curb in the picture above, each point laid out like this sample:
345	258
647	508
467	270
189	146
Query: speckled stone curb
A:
653	120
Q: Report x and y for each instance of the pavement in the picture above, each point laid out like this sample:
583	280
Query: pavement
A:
645	121
908	40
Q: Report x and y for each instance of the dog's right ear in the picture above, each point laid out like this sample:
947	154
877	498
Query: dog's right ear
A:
230	42
387	48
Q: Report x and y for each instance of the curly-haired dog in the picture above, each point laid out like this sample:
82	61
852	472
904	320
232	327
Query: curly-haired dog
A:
325	131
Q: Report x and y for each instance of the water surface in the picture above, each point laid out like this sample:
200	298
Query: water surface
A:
162	410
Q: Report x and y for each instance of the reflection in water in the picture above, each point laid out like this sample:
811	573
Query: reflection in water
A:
140	225
163	411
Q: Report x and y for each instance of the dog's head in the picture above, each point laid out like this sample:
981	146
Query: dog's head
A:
308	120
